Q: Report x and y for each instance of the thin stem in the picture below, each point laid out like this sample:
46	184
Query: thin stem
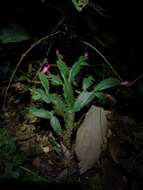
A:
69	125
103	57
21	59
50	45
134	81
27	170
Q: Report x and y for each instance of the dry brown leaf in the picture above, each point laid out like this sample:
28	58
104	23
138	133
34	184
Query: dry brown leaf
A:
91	138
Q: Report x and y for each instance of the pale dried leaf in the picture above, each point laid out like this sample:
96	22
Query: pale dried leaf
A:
91	138
66	152
46	149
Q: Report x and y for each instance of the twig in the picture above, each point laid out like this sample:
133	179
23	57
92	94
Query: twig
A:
50	45
27	170
21	59
103	57
134	81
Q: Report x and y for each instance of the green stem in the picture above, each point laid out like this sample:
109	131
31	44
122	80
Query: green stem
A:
69	124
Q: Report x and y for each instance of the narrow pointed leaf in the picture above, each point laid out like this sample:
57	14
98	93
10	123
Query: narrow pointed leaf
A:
55	124
44	81
63	68
82	100
40	113
68	93
76	68
55	79
87	82
107	83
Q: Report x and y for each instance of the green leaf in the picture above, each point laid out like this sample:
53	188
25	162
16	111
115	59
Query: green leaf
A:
55	79
82	100
39	94
13	33
87	82
7	143
56	125
80	4
101	96
23	78
107	83
36	94
68	93
40	113
59	104
63	68
44	81
76	68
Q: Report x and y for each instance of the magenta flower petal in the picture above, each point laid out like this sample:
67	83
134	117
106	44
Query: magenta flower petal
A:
125	83
46	68
86	54
57	51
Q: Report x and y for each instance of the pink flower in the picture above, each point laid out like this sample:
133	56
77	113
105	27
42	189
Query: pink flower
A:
46	68
86	54
57	52
125	83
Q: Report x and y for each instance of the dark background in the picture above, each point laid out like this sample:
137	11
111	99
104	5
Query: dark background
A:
124	24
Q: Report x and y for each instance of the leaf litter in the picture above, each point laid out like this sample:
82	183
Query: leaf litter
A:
99	133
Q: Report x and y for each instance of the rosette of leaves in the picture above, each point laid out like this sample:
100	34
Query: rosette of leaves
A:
67	102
